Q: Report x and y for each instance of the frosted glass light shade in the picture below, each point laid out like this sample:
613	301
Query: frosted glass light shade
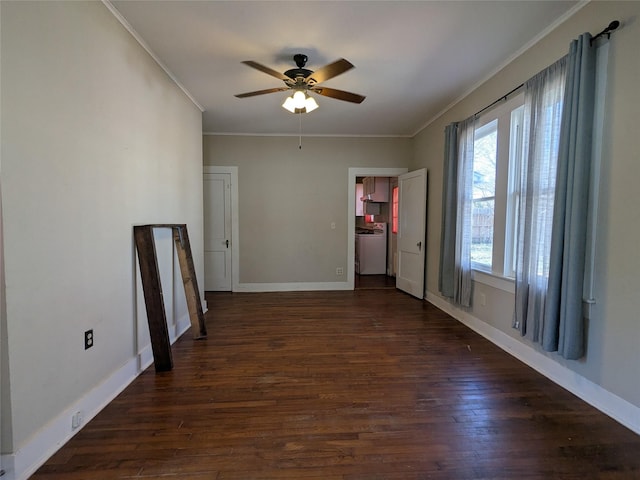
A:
288	104
299	99
299	102
310	104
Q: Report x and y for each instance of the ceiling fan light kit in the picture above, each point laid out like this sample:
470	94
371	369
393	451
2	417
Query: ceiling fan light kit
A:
300	102
302	81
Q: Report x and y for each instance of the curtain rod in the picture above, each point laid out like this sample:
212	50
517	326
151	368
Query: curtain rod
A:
607	31
504	97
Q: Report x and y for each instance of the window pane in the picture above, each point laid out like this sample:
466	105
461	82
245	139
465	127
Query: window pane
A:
484	161
484	191
482	231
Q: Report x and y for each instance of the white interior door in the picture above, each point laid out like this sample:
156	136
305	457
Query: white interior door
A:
411	232
217	232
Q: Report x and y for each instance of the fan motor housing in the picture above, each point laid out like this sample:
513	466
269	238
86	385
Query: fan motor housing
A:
301	61
298	72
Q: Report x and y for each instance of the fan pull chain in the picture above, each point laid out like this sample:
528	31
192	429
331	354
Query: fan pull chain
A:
300	131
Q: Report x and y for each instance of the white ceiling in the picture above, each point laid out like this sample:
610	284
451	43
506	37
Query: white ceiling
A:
412	59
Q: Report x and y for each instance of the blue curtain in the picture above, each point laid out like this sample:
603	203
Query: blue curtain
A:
454	279
449	209
462	286
543	110
564	325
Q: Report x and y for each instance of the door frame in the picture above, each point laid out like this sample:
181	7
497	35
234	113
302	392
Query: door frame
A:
235	229
351	210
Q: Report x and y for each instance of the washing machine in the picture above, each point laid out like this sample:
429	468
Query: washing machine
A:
371	250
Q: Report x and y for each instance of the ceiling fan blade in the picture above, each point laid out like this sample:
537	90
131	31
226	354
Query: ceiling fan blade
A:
267	70
329	71
261	92
339	94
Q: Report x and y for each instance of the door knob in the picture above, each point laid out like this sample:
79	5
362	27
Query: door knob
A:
227	242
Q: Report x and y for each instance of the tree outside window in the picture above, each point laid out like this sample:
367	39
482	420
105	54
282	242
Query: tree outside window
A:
484	194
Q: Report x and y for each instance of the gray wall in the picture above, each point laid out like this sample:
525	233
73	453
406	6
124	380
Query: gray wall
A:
613	355
288	199
95	139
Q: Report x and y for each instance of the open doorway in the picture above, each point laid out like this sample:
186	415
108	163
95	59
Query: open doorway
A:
375	239
379	223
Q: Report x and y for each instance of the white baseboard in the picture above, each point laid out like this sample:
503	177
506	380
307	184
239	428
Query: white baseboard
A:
6	461
145	355
144	358
610	404
182	325
23	463
291	287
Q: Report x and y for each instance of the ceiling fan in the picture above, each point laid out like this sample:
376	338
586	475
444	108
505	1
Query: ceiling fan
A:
302	80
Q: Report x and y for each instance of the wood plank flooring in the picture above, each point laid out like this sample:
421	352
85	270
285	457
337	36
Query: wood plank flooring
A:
374	282
363	385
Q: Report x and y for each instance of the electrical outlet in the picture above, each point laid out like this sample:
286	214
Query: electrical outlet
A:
88	339
77	419
339	271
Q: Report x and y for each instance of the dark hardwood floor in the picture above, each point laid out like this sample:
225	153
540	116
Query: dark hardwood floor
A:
362	385
375	282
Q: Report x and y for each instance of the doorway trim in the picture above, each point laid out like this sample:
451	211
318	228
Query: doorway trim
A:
351	210
235	229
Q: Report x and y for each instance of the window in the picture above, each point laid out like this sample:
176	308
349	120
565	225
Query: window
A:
513	191
496	185
484	194
394	210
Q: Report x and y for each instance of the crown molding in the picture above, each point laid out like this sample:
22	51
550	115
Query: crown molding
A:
114	11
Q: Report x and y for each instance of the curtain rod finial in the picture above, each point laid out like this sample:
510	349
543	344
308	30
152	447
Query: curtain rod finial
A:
607	31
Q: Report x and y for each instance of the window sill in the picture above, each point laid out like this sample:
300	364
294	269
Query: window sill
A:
496	281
